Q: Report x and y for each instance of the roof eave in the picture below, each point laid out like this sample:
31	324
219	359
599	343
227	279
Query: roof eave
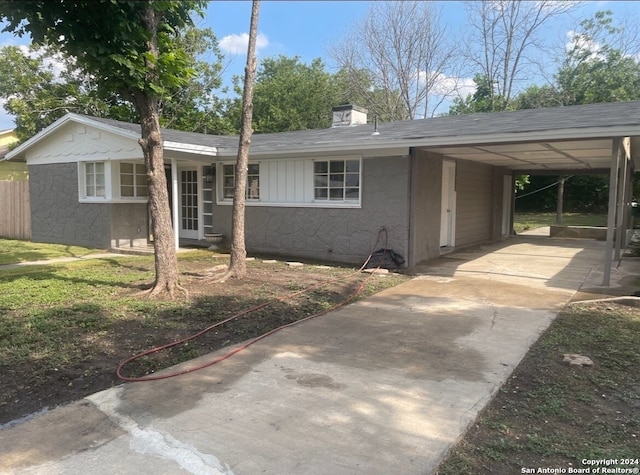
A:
17	153
190	148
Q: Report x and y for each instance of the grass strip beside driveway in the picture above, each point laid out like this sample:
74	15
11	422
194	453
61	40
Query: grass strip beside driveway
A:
551	415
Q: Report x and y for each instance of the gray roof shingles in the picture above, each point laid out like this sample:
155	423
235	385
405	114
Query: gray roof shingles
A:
625	114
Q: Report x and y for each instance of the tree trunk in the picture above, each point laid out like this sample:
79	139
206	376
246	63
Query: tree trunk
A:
560	202
238	264
166	261
147	105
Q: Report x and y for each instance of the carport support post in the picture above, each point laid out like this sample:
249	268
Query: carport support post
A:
174	201
611	215
622	193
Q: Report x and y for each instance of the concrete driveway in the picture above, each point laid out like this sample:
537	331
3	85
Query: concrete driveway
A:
383	386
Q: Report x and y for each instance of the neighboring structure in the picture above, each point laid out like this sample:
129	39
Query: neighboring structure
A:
10	170
434	184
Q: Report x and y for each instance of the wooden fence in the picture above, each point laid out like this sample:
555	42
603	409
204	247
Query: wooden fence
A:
15	210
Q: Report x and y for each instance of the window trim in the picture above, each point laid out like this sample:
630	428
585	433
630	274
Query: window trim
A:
220	195
344	187
135	197
111	183
82	182
308	184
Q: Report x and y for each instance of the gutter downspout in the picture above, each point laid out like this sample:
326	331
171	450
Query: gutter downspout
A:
175	204
411	238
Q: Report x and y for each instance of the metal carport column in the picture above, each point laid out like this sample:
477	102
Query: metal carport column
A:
611	213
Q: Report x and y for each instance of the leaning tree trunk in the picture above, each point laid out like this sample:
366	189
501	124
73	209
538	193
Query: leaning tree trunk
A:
166	261
238	264
147	105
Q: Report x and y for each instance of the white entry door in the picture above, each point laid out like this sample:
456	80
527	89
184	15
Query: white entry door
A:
189	204
448	213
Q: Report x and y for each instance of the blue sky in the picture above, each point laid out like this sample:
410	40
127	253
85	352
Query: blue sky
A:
307	28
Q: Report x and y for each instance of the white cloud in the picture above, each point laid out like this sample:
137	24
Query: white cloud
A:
582	43
237	44
448	86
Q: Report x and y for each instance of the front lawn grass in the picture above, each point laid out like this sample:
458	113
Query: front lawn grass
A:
527	221
13	251
553	415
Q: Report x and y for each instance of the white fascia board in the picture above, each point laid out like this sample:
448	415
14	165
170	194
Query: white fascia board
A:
190	148
70	117
537	136
323	152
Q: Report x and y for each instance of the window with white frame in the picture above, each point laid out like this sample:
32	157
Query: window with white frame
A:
336	180
253	181
94	180
133	180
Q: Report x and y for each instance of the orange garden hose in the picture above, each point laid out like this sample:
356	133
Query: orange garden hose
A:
237	349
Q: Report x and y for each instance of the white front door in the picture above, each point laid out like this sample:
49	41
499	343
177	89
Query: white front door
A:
448	212
189	196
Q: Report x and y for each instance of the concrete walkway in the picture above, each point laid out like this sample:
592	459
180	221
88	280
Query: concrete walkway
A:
383	386
57	260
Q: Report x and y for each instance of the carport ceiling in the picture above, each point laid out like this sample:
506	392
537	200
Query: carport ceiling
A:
569	155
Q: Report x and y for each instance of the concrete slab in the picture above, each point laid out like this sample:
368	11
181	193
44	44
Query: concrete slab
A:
385	385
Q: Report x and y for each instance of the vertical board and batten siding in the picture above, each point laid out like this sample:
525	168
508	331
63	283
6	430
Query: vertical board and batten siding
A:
15	210
474	198
286	181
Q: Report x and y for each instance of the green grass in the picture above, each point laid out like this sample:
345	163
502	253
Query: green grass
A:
13	252
527	221
551	414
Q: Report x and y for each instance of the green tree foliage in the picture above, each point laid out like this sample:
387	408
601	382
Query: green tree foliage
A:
595	70
536	97
290	95
197	106
582	194
131	49
484	99
40	85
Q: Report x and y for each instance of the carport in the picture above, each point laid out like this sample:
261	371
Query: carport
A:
590	139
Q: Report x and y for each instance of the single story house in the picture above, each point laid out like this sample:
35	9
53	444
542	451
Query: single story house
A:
435	184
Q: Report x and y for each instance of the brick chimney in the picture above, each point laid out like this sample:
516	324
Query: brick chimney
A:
348	114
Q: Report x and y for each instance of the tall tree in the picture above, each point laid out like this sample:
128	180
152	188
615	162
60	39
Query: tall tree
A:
197	105
482	100
596	68
130	48
291	95
503	38
406	53
39	86
238	261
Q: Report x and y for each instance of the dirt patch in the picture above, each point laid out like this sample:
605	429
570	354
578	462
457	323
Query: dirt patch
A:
36	383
